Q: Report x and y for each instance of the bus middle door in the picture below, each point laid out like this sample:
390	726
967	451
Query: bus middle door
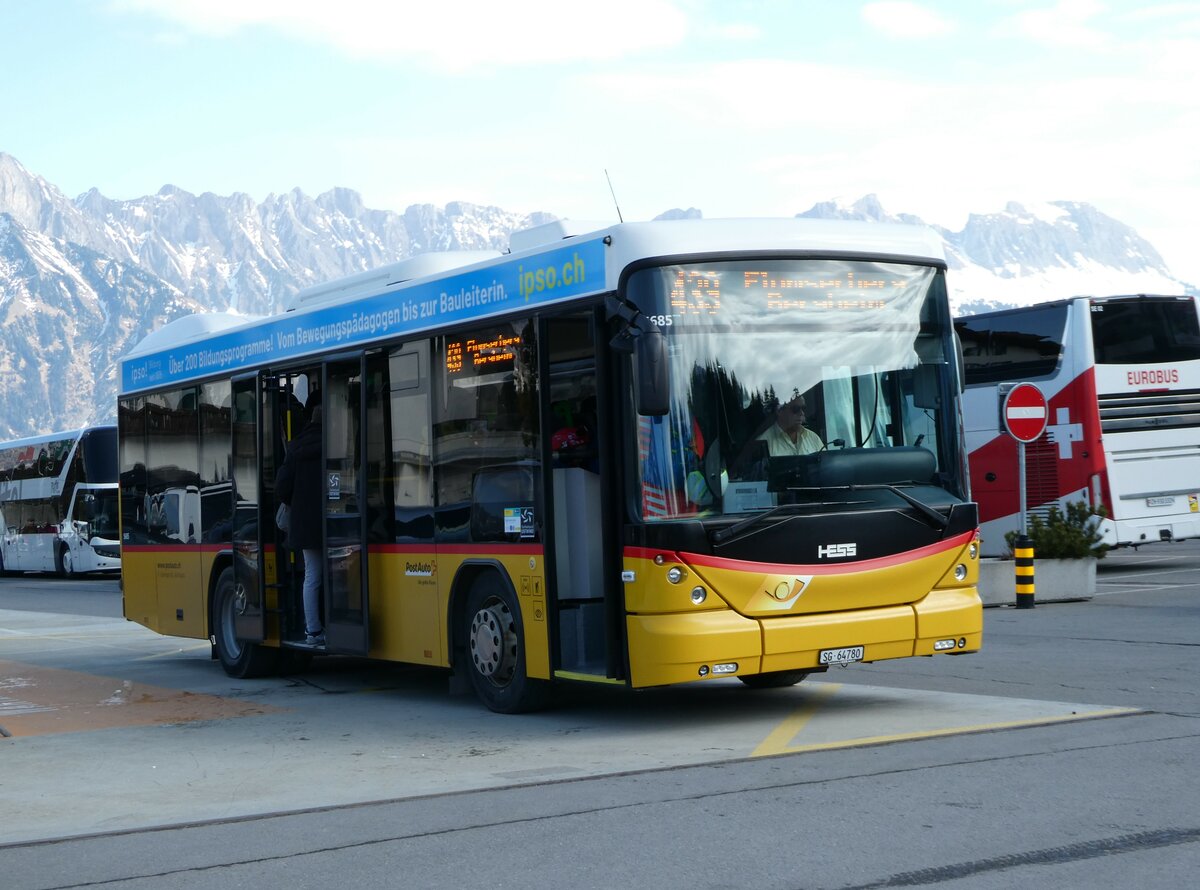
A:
251	531
344	585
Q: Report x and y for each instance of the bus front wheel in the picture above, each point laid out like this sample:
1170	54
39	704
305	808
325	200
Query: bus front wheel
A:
495	649
239	658
773	679
64	563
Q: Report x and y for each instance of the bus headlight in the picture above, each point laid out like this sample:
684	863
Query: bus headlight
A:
675	574
699	595
960	572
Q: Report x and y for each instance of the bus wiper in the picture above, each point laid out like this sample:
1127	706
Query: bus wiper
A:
940	522
723	536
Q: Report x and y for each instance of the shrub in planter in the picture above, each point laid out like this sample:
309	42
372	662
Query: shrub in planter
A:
1073	535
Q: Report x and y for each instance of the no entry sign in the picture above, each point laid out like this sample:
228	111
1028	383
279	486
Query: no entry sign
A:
1024	412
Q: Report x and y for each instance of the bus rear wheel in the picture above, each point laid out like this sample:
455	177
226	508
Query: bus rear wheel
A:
773	679
495	650
239	658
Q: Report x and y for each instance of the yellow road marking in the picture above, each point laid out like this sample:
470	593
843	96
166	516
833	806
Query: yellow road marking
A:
776	742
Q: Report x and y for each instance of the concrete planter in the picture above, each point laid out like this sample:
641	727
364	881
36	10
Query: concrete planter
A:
1054	581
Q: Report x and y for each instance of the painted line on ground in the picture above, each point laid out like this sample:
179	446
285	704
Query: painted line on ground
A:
834	716
776	742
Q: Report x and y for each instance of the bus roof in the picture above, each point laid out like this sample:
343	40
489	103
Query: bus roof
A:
549	264
53	437
189	329
1009	310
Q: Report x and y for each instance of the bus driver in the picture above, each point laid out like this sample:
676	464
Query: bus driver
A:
788	435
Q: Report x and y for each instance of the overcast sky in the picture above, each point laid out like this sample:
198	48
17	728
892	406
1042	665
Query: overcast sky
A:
734	107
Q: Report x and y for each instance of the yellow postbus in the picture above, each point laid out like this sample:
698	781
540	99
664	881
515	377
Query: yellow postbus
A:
638	454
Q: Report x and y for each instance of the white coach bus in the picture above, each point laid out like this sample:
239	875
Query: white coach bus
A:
58	503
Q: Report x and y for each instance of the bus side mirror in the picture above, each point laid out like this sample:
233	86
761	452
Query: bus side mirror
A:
962	361
925	387
653	389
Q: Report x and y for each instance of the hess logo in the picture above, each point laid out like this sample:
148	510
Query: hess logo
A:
836	551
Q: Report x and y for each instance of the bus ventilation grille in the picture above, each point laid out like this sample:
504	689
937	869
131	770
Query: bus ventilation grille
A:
1128	412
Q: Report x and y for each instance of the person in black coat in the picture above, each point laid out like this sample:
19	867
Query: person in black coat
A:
299	486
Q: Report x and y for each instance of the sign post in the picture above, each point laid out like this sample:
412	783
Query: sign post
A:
1024	413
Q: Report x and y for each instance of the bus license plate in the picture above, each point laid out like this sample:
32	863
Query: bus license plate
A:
840	656
1160	501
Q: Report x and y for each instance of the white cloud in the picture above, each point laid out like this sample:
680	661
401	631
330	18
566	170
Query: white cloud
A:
1067	24
453	35
898	18
792	133
741	31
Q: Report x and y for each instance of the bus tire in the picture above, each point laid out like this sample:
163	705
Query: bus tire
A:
495	649
773	679
239	659
63	563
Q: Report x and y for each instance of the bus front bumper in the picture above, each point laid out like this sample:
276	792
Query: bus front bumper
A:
679	648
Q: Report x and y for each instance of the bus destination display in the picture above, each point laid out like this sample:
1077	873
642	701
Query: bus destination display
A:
474	355
699	291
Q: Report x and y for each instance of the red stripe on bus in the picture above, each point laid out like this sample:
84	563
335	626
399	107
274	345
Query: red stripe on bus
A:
882	562
176	548
480	550
456	549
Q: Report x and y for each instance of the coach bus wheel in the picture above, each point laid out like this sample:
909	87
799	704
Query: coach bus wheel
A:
773	679
239	659
63	561
495	650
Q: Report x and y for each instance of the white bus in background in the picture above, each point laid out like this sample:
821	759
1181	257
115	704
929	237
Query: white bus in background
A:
58	503
1121	376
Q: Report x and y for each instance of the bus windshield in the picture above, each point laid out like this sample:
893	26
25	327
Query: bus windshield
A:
98	508
792	377
1140	330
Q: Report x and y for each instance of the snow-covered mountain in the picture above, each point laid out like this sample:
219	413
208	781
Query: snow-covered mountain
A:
82	280
1027	255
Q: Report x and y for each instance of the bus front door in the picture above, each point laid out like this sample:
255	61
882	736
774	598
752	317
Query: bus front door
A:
587	616
345	513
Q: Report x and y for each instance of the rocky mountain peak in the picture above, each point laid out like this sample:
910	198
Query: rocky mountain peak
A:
82	280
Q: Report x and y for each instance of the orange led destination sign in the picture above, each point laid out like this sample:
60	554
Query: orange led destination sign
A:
480	355
699	291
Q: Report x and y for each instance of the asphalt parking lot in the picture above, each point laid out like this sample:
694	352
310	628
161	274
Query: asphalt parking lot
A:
117	734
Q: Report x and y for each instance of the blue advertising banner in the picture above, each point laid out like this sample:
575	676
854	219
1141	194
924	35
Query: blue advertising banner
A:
563	273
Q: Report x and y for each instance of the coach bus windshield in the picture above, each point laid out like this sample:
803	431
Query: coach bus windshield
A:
1145	330
790	377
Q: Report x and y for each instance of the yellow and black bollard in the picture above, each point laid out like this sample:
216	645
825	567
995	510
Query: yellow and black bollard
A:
1023	551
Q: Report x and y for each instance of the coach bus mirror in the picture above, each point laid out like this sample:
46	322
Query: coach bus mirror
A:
925	387
653	392
962	361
